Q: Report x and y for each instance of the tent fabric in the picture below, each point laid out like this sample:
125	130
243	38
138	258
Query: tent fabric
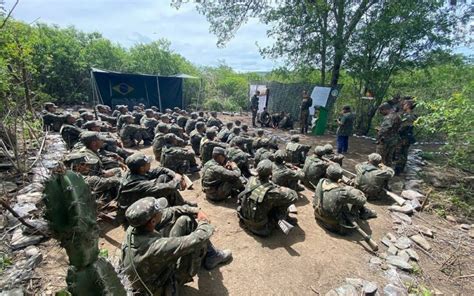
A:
115	88
182	75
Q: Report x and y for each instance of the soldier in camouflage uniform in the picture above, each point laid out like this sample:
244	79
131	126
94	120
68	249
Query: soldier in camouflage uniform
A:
296	152
336	204
406	135
254	106
111	143
177	158
164	247
69	132
141	181
314	168
191	123
263	203
330	155
159	140
214	121
223	135
286	122
149	122
306	103
387	136
265	119
182	119
220	179
132	134
236	153
264	152
123	110
283	175
259	140
208	144
178	131
373	177
52	120
196	136
137	114
104	188
84	117
104	115
235	133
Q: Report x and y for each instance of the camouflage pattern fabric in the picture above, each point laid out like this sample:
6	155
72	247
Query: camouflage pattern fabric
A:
296	153
406	139
263	153
132	134
190	125
177	159
240	158
181	121
195	140
158	143
218	182
284	176
52	121
372	180
212	121
105	188
70	134
206	148
388	137
314	169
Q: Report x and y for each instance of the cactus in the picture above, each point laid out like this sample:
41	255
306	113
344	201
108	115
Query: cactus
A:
72	215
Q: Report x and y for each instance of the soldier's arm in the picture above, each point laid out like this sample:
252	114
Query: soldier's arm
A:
156	172
184	210
354	196
153	188
384	127
385	171
279	196
176	247
227	175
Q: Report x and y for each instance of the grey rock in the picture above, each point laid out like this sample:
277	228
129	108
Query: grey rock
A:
13	292
421	241
369	289
465	226
403	243
347	290
24	208
7	187
405	209
19	240
40	225
31	197
412	194
356	282
331	293
391	236
471	233
33	187
413	184
386	241
383	255
426	231
451	219
403	217
392	250
375	260
415	204
31	251
3	221
406	279
392	290
398	261
413	255
404	255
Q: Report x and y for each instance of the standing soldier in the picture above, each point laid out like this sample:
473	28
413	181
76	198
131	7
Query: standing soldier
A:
263	203
373	177
306	103
406	135
387	136
345	124
254	106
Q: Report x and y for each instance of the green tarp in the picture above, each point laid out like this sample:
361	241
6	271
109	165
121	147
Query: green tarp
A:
115	88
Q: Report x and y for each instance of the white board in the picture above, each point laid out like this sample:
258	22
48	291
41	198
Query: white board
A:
261	99
320	96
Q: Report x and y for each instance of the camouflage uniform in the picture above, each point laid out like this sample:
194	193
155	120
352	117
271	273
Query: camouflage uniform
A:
195	139
52	121
218	182
214	121
331	156
190	125
263	203
286	122
206	148
131	134
284	176
235	154
373	179
163	260
306	103
296	152
388	137
254	108
70	134
314	168
223	135
149	123
406	139
263	153
159	140
109	119
176	158
181	121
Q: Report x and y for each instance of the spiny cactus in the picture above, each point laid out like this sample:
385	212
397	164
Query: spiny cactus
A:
72	216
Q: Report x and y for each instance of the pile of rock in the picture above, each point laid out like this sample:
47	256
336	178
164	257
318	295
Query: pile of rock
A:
355	287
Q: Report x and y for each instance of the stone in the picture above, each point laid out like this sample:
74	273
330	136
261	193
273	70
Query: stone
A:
19	240
3	221
383	255
426	231
357	283
386	241
399	262
31	251
403	243
392	290
451	219
421	241
465	226
403	217
347	290
31	197
13	292
391	237
404	255
33	187
375	260
24	209
396	186
412	194
405	209
331	293
392	250
413	184
369	289
413	255
406	279
7	187
415	204
471	233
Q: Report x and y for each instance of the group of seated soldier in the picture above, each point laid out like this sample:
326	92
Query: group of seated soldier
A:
167	236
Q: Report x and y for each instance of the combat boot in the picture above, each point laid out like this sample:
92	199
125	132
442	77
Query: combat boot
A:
216	258
366	214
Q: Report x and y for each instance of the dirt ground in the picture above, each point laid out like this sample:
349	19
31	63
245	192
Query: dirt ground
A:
309	261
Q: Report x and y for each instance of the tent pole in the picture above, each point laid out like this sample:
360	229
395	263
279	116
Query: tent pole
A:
159	95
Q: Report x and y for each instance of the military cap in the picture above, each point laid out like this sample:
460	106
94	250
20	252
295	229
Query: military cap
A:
176	109
385	106
375	158
162	127
279	156
91	124
229	125
149	111
88	137
215	128
82	111
200	125
79	158
141	104
295	138
334	171
49	104
218	151
236	129
141	211
168	110
100	106
127	117
237	122
264	168
319	150
169	137
121	107
260	132
87	113
165	116
137	160
214	113
174	114
328	148
245	127
210	133
194	115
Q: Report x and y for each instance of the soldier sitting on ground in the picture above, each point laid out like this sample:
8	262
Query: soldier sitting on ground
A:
177	158
149	122
336	204
263	203
196	136
52	120
285	176
266	151
223	135
70	132
259	140
235	132
138	114
286	122
373	177
83	118
191	123
103	113
331	156
220	178
141	181
296	152
182	119
178	131
123	110
111	143
159	140
164	247
214	121
265	119
314	168
236	153
132	134
104	188
208	144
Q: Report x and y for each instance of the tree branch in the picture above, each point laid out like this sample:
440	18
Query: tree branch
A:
9	14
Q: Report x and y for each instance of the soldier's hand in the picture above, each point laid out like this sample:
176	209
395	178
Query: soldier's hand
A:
201	216
108	173
123	166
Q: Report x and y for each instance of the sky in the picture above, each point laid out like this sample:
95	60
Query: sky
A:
142	21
